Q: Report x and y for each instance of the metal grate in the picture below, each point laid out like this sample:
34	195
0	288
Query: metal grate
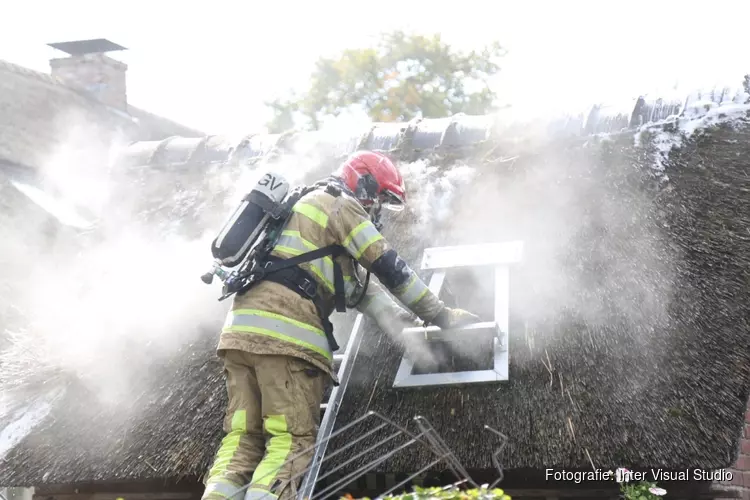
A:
423	435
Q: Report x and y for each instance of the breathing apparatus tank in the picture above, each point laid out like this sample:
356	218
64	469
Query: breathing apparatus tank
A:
249	219
241	231
251	232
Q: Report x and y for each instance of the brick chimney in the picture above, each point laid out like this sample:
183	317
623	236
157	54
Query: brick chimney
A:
90	70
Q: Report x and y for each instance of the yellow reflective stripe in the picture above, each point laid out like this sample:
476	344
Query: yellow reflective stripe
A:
360	239
229	445
297	234
313	213
277	450
224	489
292	244
239	420
414	290
278	327
239	313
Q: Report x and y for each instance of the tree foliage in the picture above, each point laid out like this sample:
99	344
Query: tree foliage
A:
402	77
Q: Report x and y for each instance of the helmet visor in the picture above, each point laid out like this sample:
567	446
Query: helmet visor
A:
391	201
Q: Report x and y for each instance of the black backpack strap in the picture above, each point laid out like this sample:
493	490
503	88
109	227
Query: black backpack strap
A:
338	287
332	250
338	275
300	282
288	273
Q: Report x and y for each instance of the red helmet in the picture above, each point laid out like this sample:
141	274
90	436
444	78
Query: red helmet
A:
373	177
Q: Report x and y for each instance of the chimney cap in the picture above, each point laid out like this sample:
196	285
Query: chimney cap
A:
81	47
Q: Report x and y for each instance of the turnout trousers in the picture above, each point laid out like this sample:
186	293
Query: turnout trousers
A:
272	416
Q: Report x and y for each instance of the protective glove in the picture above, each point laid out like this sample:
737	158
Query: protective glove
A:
454	318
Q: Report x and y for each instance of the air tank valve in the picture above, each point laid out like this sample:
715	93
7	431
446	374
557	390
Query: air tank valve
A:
216	270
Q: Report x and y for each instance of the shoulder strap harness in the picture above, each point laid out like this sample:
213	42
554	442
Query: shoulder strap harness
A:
288	273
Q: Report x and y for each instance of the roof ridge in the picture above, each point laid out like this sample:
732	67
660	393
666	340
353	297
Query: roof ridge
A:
23	70
59	84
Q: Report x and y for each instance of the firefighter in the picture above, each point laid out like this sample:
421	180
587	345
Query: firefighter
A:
277	358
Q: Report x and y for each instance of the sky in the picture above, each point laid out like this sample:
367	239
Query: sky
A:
211	65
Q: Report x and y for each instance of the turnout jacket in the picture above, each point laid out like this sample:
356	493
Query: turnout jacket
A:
272	319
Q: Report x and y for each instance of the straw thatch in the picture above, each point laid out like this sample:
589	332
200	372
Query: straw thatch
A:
628	321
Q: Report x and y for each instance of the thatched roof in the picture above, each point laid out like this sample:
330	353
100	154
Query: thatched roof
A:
628	316
41	114
48	127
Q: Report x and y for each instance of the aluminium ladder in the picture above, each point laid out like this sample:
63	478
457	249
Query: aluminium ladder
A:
331	408
439	260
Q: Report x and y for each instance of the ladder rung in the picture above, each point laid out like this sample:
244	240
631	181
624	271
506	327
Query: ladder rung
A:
328	418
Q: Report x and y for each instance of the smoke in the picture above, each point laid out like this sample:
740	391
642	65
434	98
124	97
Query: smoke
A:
103	305
593	250
108	306
580	229
431	200
431	192
305	158
125	302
